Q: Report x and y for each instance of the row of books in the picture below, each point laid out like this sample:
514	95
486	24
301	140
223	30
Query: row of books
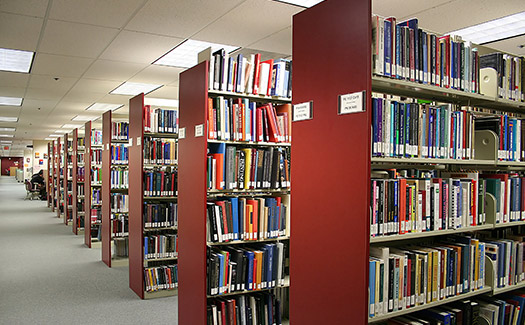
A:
96	138
510	134
121	246
96	216
507	256
80	157
250	75
163	277
81	174
509	191
160	246
160	215
119	203
81	142
405	51
119	178
119	130
405	205
255	308
96	175
160	120
160	151
245	168
160	182
120	225
250	268
80	190
511	74
409	129
96	156
96	196
240	218
119	154
405	277
236	119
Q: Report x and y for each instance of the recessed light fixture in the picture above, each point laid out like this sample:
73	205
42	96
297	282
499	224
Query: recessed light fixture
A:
134	88
161	102
8	129
82	118
494	30
54	135
49	139
8	119
103	107
70	126
6	141
16	60
11	101
61	131
185	55
301	3
7	135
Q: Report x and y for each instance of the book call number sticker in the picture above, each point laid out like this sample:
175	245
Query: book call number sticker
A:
352	103
303	111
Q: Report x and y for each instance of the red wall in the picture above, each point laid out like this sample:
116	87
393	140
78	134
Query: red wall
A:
8	162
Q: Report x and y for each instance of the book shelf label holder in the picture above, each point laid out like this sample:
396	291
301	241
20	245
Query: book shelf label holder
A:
351	103
303	111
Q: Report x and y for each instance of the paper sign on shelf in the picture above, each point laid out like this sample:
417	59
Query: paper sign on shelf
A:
199	130
131	142
182	133
138	142
303	111
351	103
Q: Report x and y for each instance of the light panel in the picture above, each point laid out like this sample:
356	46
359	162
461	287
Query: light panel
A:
6	141
301	3
54	135
8	119
61	131
70	126
185	55
16	60
161	102
494	30
49	139
134	88
103	107
7	135
8	129
83	118
11	101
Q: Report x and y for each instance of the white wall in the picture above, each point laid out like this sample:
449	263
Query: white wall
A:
28	163
39	149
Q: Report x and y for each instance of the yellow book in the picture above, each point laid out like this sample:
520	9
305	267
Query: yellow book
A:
258	277
475	242
249	224
247	168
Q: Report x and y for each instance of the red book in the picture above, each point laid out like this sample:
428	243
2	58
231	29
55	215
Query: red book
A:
231	312
223	312
255	218
272	131
219	180
256	73
259	126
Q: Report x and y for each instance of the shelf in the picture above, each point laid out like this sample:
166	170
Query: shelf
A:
162	198
236	242
120	141
388	238
95	185
118	190
160	294
509	224
97	146
113	164
159	165
250	143
390	315
431	92
212	92
246	192
159	229
96	165
437	161
161	135
161	259
285	285
497	291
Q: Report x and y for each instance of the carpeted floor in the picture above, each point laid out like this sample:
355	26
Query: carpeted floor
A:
47	275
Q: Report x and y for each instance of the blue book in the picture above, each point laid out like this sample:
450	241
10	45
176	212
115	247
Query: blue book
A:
380	125
238	81
235	216
372	286
408	144
399	69
269	266
146	251
220	149
521	300
249	278
222	283
452	65
430	132
388	47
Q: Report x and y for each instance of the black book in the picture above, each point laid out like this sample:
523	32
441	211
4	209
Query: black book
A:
209	314
474	312
391	267
268	159
244	268
214	237
495	61
218	68
218	215
229	217
260	168
241	168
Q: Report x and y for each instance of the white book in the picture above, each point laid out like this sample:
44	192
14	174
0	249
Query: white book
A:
264	74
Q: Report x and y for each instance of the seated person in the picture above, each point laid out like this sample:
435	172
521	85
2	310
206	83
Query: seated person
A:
37	180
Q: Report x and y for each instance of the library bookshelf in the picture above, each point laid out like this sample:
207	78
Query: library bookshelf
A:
66	174
343	147
108	214
49	180
194	195
139	263
77	214
58	177
90	145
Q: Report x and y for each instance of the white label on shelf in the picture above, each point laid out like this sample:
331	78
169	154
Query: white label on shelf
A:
303	111
352	103
199	130
182	133
107	146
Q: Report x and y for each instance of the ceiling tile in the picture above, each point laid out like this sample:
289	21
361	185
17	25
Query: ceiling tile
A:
156	74
280	42
47	82
19	32
59	65
35	8
48	94
169	92
77	94
96	86
252	20
13	79
139	47
113	70
31	106
515	45
113	13
12	91
115	99
75	39
179	18
403	8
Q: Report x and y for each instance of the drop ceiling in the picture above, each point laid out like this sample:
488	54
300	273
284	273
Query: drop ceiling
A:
86	48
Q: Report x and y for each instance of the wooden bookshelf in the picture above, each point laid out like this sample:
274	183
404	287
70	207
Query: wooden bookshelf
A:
49	177
53	174
65	168
137	260
88	205
58	177
75	216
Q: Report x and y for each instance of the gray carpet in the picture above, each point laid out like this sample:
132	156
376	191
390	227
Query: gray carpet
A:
47	275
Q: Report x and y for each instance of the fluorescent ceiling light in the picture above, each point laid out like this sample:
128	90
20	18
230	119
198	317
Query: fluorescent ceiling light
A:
186	54
134	88
54	135
6	141
8	129
49	139
83	118
494	30
8	119
301	3
15	60
7	135
103	107
70	126
61	131
161	102
11	101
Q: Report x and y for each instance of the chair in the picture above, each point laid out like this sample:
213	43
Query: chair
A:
31	192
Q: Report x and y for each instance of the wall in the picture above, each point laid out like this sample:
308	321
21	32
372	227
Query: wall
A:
39	152
28	163
8	162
